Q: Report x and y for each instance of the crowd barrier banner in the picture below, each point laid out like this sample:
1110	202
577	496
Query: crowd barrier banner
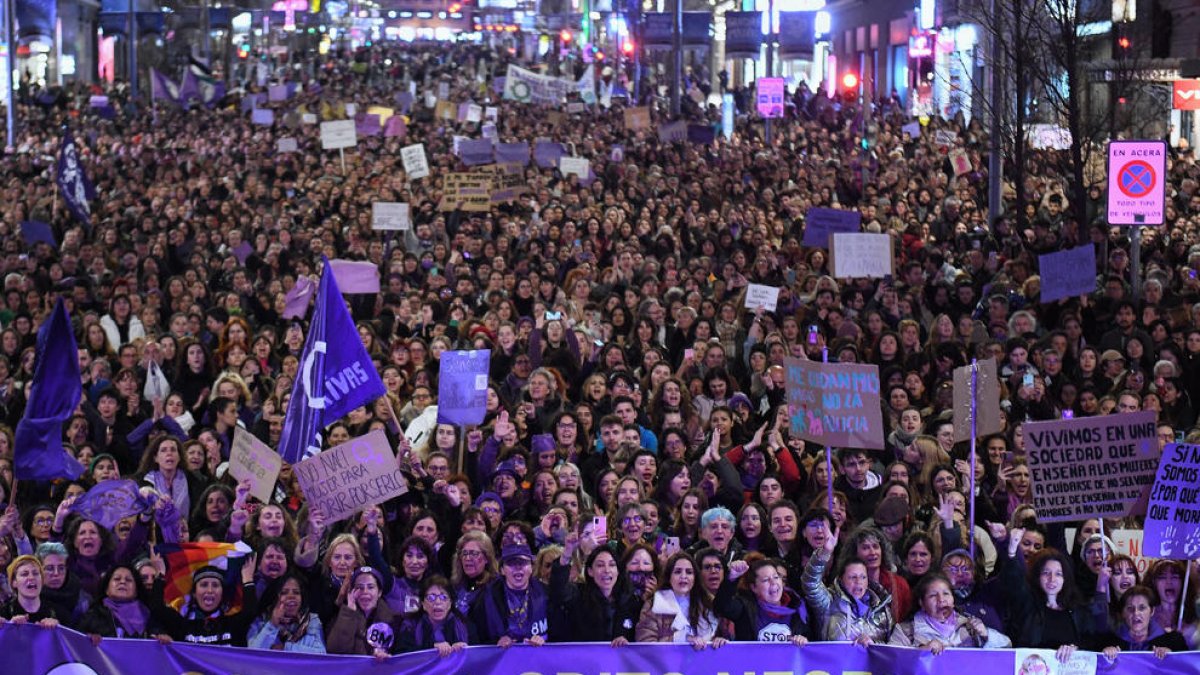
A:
39	651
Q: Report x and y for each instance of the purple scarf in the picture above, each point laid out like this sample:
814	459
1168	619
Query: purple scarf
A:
129	615
769	613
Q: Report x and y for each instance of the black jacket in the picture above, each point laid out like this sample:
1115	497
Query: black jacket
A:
743	611
99	620
580	613
225	629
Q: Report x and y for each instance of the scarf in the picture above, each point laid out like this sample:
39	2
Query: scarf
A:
518	611
177	488
294	632
130	616
769	613
925	624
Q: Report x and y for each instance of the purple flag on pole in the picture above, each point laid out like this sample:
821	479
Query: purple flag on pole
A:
336	374
73	182
162	88
109	501
52	398
296	300
356	276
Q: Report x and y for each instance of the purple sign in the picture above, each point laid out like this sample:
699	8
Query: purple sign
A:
476	152
367	124
1068	274
1173	518
771	94
820	222
513	153
547	154
462	386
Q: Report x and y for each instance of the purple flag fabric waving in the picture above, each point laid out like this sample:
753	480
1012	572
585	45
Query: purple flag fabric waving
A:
336	374
56	390
73	182
110	501
296	301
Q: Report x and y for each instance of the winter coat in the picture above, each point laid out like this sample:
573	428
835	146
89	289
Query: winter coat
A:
489	613
743	610
836	611
918	633
587	616
416	632
264	635
222	629
352	629
662	619
99	620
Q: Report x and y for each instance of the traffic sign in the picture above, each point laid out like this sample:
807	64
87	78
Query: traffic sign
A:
1137	172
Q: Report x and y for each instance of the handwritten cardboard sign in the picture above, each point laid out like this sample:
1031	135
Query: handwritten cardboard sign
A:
1092	466
348	478
835	404
1173	519
252	460
861	255
987	396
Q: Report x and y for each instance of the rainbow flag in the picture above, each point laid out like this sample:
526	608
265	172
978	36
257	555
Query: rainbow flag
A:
184	560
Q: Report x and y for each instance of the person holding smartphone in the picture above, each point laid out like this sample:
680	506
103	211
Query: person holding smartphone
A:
600	608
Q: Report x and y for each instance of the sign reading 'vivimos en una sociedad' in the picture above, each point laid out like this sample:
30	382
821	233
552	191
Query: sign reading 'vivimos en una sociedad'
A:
1091	467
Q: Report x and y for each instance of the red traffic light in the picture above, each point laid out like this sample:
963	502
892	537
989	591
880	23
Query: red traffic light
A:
565	36
627	47
1123	42
850	81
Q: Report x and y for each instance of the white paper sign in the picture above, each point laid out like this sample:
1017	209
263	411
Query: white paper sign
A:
277	92
286	145
415	163
430	100
474	113
351	110
491	113
945	138
443	90
861	254
758	295
264	116
390	216
574	165
338	134
489	131
308	118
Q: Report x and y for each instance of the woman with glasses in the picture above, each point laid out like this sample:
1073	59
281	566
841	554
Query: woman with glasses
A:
436	624
474	568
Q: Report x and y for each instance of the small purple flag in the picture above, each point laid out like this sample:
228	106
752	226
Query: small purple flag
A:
547	154
355	276
110	501
296	301
242	252
395	127
366	124
34	231
404	99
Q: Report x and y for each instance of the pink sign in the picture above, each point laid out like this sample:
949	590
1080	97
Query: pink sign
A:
1137	172
771	92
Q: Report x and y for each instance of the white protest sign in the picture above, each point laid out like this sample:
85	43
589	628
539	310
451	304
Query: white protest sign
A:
574	165
491	113
338	134
252	460
286	145
474	113
263	116
861	254
945	138
758	295
390	216
351	109
415	163
308	118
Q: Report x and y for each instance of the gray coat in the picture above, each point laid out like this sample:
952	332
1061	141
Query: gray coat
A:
834	609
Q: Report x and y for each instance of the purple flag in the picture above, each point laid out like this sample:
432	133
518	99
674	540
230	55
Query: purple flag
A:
34	231
162	88
108	502
73	182
296	300
513	153
356	276
404	99
52	398
395	127
242	252
366	124
336	373
547	154
701	134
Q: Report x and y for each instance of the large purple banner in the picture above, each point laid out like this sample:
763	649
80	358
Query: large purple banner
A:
32	650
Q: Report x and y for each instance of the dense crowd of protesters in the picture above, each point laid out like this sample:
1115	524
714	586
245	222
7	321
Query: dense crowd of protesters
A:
635	478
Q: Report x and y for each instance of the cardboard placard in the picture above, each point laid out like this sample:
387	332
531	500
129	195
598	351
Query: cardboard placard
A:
252	460
338	134
758	295
416	165
346	479
987	406
835	404
637	119
1091	467
473	190
1173	518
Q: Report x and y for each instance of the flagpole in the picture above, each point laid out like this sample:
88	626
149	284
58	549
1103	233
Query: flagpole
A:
1187	574
974	419
462	447
828	450
10	109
